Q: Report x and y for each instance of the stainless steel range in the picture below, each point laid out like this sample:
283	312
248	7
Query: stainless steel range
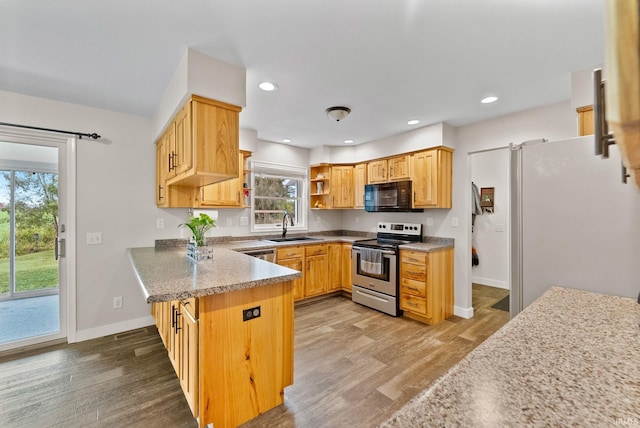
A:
375	266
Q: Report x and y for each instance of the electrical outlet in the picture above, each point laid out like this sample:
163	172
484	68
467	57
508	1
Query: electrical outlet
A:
94	238
429	221
244	221
249	314
229	222
159	223
117	302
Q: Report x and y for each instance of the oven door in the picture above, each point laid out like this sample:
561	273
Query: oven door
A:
385	283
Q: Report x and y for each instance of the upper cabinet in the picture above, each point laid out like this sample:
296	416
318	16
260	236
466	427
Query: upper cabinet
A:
359	180
392	169
622	64
229	193
432	178
342	186
320	186
200	146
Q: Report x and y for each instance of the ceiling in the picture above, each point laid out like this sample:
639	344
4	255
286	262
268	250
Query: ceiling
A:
387	60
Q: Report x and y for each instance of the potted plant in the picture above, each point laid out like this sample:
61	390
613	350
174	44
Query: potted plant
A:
199	227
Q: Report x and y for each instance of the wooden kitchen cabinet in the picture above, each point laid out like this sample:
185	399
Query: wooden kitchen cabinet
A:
293	258
227	194
426	285
189	346
399	168
316	281
432	178
320	186
335	267
359	181
377	171
346	267
200	146
342	186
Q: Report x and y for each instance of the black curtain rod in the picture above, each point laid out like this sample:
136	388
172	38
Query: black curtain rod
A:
59	131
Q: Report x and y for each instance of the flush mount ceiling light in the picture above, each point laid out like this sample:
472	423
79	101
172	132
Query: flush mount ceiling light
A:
268	86
489	100
337	113
349	141
413	122
286	140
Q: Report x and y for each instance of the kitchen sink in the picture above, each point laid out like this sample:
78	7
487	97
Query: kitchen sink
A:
293	238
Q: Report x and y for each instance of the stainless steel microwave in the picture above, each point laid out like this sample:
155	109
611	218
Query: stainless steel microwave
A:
395	196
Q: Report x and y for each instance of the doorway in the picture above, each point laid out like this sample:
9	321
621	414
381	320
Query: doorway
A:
32	222
490	264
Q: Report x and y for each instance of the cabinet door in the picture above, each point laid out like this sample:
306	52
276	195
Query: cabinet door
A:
346	267
335	267
189	359
183	160
225	194
425	179
399	168
342	187
377	171
359	179
212	123
298	283
175	345
162	167
317	275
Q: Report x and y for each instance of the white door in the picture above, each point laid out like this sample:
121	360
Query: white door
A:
33	229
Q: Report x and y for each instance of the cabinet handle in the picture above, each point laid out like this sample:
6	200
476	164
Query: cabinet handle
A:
413	288
625	174
414	196
390	171
414	273
169	159
173	316
415	305
178	314
160	192
308	264
238	196
602	135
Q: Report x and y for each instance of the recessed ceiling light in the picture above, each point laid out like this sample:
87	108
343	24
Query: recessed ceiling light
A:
268	86
413	122
349	141
489	100
286	140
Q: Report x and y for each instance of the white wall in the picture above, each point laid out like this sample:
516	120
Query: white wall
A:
489	237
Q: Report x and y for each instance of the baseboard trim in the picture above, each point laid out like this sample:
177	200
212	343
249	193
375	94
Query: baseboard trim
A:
106	330
490	282
463	312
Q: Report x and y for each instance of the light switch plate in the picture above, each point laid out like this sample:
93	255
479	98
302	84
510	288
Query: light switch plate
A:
244	221
429	221
454	221
94	238
159	223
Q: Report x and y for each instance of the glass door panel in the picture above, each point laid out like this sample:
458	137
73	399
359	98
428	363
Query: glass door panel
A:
36	214
5	227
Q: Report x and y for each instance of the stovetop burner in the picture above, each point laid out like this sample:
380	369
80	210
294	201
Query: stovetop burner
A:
391	235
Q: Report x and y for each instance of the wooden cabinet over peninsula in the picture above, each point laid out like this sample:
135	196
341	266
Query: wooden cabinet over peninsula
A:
228	326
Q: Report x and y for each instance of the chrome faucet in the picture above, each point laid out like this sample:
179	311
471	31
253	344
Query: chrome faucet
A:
284	223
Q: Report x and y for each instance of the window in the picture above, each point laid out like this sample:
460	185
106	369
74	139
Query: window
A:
278	189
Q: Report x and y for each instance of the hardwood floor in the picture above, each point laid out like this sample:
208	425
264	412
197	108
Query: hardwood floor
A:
353	367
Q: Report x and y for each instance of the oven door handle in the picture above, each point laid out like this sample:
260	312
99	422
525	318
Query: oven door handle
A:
389	253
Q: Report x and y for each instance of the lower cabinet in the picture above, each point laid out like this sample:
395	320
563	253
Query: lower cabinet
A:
426	285
230	369
346	267
335	267
316	278
293	258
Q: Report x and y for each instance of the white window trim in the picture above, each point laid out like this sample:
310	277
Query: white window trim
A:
286	170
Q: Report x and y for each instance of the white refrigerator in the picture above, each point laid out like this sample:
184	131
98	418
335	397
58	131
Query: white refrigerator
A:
574	223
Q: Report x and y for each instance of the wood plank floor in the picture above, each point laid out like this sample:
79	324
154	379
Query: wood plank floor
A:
353	367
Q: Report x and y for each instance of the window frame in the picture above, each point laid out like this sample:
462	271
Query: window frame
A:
281	170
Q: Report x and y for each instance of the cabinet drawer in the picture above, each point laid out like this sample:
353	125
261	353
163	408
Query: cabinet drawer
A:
289	253
414	304
413	257
411	286
315	250
419	273
191	306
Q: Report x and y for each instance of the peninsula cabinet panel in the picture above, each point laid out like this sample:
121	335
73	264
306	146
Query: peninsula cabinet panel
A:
432	178
359	181
342	186
244	365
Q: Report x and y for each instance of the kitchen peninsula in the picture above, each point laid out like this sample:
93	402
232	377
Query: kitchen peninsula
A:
227	323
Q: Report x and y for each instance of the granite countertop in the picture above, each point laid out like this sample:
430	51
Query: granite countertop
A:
166	273
572	358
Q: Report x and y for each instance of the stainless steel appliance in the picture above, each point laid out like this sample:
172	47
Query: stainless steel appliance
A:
375	283
268	254
395	196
